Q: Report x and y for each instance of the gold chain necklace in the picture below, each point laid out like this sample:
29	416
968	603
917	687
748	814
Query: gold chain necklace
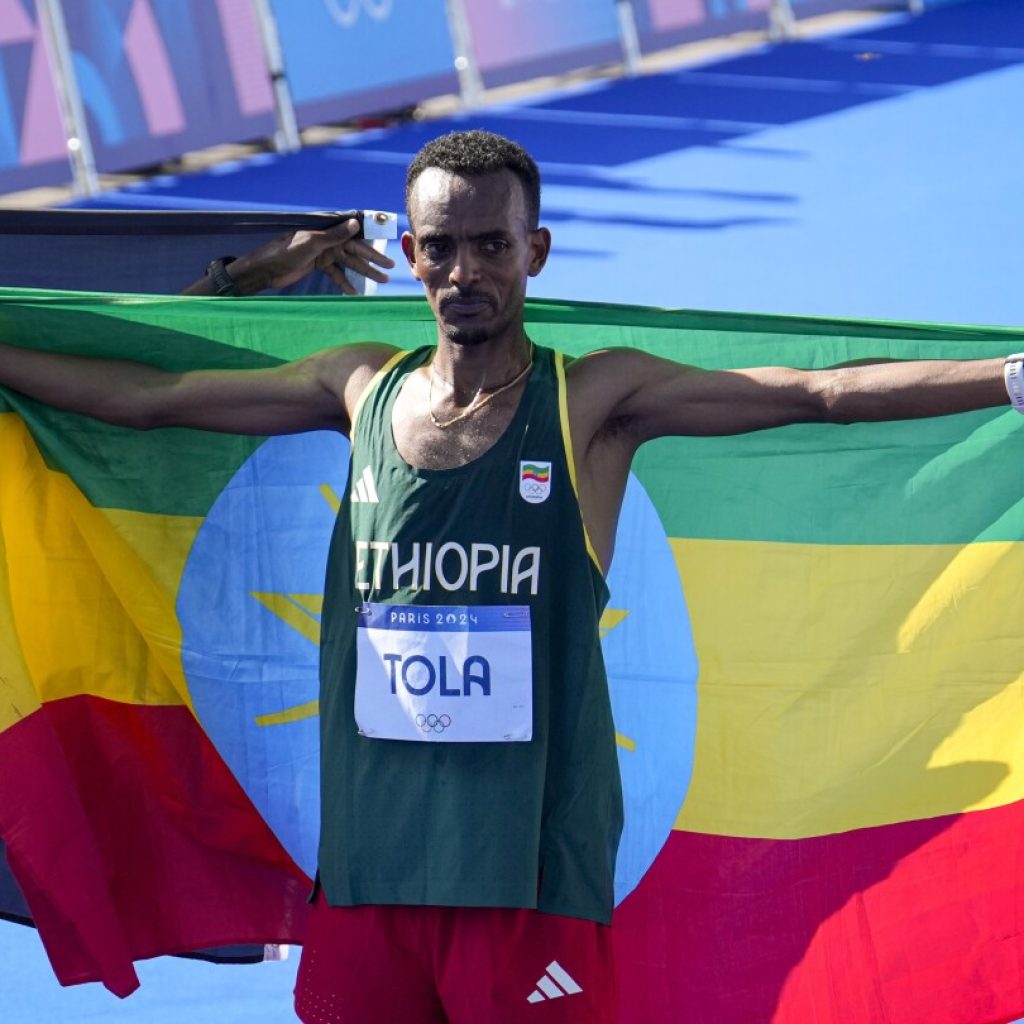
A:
475	405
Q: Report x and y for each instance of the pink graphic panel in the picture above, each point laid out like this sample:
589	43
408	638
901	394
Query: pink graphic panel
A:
33	146
42	133
15	25
668	14
245	56
540	36
161	77
144	47
663	23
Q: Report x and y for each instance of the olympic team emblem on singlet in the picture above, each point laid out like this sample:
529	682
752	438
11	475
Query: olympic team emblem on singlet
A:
249	606
534	481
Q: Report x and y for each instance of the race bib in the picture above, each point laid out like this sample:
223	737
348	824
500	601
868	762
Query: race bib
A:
452	674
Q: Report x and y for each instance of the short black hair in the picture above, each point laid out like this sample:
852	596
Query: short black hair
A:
478	152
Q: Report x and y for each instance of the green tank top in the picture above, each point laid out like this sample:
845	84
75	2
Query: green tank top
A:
532	824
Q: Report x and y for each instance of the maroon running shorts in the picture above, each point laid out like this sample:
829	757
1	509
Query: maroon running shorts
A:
453	965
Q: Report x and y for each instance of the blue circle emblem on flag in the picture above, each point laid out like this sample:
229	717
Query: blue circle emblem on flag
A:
652	674
249	606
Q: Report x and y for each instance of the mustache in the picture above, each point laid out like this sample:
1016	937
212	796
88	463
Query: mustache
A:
447	300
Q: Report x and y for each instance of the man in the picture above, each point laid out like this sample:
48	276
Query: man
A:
471	801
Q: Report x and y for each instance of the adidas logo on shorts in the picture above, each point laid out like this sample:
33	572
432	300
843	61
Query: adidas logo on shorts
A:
554	983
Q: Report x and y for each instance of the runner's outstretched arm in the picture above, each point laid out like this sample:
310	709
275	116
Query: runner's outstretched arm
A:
314	393
648	397
620	398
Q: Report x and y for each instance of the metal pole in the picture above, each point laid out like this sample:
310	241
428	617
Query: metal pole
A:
630	36
470	82
286	138
72	113
781	20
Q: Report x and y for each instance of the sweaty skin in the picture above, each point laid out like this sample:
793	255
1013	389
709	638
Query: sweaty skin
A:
473	249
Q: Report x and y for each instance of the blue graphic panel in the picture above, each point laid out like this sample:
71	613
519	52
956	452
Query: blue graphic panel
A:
8	123
161	77
347	57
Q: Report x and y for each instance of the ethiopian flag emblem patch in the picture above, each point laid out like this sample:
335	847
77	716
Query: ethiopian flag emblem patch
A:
535	481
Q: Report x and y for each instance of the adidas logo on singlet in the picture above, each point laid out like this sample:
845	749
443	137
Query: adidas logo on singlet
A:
365	490
554	983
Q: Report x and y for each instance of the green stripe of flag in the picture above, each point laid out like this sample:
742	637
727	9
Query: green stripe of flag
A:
947	480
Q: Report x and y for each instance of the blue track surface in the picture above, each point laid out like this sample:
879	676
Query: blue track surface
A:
872	175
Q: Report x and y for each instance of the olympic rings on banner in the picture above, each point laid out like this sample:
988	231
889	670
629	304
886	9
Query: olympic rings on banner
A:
346	12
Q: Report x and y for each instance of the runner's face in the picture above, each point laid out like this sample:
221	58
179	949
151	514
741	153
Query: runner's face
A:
472	249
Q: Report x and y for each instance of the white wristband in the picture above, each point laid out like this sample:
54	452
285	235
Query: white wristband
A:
1013	376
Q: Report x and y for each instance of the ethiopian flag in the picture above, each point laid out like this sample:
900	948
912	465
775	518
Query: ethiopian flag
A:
814	642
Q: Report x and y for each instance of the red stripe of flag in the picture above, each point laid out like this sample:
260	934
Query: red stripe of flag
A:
130	838
918	921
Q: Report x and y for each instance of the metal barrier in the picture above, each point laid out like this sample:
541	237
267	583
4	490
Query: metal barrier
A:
142	96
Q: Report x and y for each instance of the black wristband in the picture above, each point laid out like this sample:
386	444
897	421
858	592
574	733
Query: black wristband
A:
216	272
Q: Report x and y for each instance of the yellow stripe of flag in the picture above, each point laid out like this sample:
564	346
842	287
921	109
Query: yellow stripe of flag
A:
88	593
845	687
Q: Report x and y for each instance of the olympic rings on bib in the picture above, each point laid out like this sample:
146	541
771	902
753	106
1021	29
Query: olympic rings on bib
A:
433	723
